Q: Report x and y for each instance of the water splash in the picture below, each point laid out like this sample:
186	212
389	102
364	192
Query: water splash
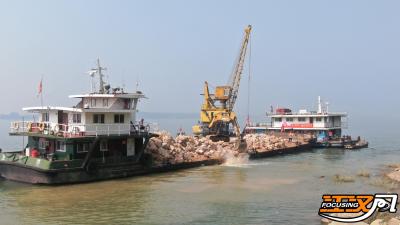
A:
241	160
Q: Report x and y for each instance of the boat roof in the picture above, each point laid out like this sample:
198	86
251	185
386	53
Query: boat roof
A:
41	109
309	114
51	108
116	95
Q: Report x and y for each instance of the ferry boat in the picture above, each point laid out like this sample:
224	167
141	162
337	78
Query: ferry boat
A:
326	127
96	139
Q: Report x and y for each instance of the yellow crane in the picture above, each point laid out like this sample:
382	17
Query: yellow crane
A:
217	115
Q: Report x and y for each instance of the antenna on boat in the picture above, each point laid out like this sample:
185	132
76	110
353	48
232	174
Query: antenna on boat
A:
101	76
137	84
99	69
326	107
123	80
91	74
319	105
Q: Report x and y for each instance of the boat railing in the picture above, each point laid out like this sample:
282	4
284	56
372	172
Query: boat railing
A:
38	127
77	130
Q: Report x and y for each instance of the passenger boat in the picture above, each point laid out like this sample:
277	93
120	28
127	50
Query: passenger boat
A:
96	139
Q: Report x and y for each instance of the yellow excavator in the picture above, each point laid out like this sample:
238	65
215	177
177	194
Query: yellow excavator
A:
217	115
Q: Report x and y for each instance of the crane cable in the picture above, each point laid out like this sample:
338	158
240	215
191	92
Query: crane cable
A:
249	86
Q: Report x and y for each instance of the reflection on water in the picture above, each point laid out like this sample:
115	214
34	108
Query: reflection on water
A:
278	190
334	154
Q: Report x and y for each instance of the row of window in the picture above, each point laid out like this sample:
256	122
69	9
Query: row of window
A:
300	119
93	102
60	146
126	102
45	145
84	147
97	118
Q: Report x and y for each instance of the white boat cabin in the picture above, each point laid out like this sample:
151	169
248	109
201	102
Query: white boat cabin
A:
320	122
108	111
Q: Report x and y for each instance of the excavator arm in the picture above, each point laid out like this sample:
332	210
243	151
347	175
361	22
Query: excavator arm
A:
215	119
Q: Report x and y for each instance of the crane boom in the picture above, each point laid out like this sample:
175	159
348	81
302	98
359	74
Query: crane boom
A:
234	81
216	114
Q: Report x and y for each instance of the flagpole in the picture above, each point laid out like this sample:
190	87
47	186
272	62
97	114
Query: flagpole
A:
41	92
41	99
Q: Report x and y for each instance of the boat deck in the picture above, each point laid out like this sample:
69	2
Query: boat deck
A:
55	130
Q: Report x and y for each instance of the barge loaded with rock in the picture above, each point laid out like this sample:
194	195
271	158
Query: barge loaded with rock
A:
99	139
325	126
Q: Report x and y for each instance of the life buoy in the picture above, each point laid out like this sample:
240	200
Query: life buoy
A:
29	126
41	127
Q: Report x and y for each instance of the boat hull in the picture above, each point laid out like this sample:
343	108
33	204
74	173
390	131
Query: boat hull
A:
278	152
26	174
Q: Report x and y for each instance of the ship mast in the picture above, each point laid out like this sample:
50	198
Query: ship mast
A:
99	70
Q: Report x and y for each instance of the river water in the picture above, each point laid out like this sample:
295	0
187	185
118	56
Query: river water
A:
279	190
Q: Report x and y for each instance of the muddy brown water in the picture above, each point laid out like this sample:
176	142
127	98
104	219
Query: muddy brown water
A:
278	190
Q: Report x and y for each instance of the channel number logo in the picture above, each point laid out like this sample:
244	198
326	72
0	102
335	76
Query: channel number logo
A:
363	206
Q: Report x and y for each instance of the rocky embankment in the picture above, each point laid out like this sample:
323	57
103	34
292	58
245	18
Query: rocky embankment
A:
395	174
377	220
166	149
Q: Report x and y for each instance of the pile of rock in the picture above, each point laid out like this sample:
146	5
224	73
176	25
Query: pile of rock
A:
270	142
168	150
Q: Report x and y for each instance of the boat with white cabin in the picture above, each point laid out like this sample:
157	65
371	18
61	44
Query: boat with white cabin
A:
98	138
326	127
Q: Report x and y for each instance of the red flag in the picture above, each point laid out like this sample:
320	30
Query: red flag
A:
40	87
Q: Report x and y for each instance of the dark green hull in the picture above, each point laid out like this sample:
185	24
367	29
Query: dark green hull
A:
27	174
277	152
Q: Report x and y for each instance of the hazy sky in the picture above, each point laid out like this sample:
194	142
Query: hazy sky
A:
346	51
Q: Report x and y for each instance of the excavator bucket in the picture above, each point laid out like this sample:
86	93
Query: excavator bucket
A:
241	145
216	138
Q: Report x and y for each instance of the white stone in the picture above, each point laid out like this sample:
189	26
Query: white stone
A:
394	221
378	222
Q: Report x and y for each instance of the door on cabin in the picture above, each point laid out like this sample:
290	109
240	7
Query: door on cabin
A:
62	120
130	147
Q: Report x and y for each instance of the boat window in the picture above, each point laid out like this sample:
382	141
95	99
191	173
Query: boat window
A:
103	145
76	118
226	92
289	119
82	147
127	103
105	102
93	102
278	119
43	144
60	146
318	119
45	117
119	118
98	118
302	119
